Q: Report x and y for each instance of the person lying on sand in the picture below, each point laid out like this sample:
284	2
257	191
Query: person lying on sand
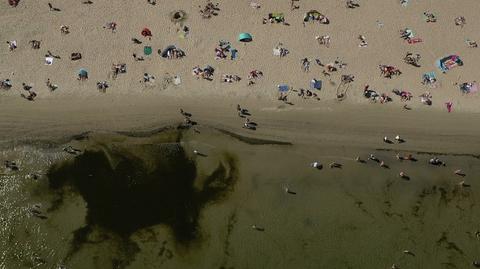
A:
12	45
71	150
316	165
30	96
5	84
111	26
137	58
10	165
35	44
64	29
373	158
147	77
102	86
50	85
335	165
352	4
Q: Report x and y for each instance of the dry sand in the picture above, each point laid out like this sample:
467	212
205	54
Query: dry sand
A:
78	106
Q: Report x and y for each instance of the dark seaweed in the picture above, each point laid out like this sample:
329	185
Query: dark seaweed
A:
128	196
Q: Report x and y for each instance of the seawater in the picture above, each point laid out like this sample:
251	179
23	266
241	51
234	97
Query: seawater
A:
146	201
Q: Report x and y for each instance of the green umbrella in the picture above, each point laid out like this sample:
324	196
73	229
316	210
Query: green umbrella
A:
245	37
147	50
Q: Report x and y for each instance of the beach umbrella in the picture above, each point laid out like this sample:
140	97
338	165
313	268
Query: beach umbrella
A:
147	50
82	72
178	16
245	37
146	32
166	50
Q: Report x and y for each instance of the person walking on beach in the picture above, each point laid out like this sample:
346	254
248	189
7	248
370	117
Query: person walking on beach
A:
403	175
12	45
305	64
316	165
449	106
373	158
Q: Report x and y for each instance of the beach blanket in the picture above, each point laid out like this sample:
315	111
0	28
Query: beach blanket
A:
430	76
467	87
316	84
48	60
277	16
283	88
449	62
414	40
276	51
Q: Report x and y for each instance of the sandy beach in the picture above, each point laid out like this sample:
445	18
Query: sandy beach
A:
431	214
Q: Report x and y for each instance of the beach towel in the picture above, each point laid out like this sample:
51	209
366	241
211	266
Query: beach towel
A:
276	51
469	87
48	60
147	50
430	75
283	88
474	88
414	40
277	16
316	84
234	53
177	80
449	62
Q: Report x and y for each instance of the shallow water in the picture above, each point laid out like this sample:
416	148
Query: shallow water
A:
146	201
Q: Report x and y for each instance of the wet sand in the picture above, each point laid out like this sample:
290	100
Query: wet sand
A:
358	216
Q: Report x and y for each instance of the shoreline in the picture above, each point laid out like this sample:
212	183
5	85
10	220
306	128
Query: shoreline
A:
351	125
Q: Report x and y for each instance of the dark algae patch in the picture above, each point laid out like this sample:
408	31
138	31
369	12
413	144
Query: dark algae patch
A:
126	191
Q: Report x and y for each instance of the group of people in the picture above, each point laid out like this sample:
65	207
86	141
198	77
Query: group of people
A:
253	76
244	113
209	10
229	78
435	161
223	49
205	73
388	71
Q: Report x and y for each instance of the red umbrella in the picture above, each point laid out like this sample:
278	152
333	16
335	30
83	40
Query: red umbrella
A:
146	32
